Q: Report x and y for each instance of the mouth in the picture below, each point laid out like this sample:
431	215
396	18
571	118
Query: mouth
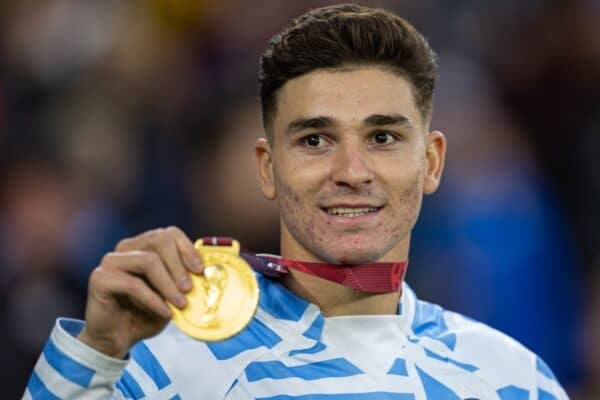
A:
350	212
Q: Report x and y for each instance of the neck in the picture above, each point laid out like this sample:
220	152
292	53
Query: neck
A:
336	300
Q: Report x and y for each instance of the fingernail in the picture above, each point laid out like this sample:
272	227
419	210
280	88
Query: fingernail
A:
180	301
197	264
185	283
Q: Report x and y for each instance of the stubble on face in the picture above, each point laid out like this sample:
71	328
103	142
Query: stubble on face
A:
303	222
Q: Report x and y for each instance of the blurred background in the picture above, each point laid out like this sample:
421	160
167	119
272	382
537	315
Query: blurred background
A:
118	116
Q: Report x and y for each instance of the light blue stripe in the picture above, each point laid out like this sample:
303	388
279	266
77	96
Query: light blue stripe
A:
315	329
513	392
67	367
465	366
349	396
119	385
314	332
429	322
544	369
255	335
398	367
543	395
129	386
144	357
280	302
124	391
38	390
317	348
435	390
334	368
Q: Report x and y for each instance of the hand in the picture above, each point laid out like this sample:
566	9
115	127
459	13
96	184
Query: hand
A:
128	291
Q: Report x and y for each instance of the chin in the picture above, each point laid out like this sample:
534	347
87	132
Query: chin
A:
353	256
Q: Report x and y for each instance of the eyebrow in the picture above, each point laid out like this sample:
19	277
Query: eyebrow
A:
300	124
321	122
386	119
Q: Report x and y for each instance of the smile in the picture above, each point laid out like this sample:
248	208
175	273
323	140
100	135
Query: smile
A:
351	212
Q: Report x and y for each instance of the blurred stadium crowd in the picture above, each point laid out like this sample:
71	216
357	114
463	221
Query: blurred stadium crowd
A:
117	117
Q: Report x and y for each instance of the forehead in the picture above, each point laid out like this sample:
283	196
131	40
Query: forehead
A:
348	96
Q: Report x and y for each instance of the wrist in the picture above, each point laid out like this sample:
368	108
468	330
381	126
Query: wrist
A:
104	345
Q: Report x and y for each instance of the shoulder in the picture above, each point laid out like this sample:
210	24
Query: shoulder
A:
462	335
503	361
489	354
488	345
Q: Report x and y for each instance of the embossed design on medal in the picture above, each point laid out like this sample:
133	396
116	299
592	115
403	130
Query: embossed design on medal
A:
223	298
213	284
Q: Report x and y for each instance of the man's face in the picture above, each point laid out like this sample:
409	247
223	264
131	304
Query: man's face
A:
349	163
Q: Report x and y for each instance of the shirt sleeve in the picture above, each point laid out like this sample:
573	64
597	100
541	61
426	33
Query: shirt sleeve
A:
69	369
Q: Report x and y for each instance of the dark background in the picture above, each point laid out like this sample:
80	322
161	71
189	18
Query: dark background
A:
117	117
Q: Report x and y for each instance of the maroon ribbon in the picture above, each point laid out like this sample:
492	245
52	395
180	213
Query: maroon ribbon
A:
370	278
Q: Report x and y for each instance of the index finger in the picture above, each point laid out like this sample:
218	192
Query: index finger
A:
186	248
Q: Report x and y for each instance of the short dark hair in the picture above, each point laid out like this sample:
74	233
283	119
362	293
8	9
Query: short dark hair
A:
346	35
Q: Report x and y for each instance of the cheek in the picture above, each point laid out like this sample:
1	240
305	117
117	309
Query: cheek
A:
289	199
297	181
294	199
297	198
407	197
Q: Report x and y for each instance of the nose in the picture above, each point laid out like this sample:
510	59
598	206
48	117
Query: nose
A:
351	166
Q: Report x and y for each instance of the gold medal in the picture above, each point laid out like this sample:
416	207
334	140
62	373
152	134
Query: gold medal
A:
223	299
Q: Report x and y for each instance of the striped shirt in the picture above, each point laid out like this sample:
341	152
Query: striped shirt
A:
290	351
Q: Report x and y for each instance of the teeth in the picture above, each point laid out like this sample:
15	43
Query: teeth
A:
350	212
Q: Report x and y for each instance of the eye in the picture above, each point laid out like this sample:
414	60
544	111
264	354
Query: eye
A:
313	141
384	137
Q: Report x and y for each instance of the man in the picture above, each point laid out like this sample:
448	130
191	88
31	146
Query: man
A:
346	95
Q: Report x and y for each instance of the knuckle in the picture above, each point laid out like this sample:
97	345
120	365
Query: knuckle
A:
172	229
147	257
107	259
97	277
151	259
157	236
94	275
122	244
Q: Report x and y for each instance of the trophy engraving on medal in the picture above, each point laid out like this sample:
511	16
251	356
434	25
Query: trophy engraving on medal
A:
213	285
224	297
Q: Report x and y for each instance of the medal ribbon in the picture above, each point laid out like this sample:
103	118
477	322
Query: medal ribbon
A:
370	278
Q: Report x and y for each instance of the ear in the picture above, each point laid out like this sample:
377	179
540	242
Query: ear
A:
436	155
264	164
